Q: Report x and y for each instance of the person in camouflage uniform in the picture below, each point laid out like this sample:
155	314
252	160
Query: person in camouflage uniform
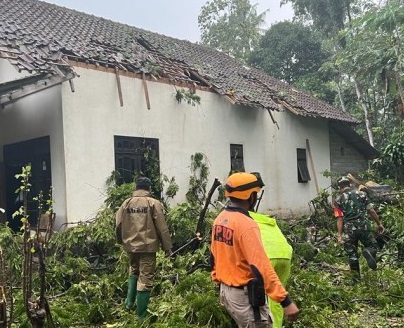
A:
351	209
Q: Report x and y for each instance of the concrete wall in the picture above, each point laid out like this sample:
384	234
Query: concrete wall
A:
82	126
344	158
93	115
35	116
285	195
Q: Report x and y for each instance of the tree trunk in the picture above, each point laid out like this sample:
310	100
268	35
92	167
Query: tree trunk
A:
399	86
365	108
341	99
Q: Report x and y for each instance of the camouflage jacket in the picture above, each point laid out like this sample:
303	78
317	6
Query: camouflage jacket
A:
353	204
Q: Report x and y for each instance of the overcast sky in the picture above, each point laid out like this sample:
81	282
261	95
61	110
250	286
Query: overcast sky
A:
176	18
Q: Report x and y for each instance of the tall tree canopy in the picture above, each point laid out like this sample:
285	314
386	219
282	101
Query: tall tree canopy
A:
373	57
288	51
232	26
363	38
293	52
329	16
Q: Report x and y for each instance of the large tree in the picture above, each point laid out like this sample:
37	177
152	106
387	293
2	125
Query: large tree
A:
293	53
232	26
373	58
329	16
288	51
336	19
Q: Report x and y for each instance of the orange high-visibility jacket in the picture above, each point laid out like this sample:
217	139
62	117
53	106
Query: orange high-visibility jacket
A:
237	249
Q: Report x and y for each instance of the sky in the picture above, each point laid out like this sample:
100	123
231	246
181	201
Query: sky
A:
175	18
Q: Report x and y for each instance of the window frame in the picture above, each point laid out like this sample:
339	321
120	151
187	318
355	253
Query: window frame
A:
303	174
236	158
129	156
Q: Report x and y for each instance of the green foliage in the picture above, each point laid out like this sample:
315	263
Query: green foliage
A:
151	170
372	58
87	272
320	285
290	52
328	16
198	179
182	220
391	163
193	302
232	26
189	96
392	216
11	251
116	194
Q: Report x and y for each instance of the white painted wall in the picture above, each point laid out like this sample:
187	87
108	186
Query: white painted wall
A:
34	116
286	195
92	116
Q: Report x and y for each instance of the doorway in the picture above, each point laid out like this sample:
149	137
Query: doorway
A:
34	152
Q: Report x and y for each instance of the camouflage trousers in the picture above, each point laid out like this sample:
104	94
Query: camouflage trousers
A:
355	231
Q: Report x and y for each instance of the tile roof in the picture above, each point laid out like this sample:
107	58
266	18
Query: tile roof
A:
42	37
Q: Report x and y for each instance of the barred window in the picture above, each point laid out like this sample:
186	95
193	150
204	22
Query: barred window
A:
130	156
236	158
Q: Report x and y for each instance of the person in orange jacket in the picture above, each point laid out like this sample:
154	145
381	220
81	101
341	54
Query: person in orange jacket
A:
238	260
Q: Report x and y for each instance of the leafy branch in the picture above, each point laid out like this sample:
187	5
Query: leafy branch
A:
189	96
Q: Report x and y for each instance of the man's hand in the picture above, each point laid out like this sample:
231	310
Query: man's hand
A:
380	229
291	312
169	253
340	240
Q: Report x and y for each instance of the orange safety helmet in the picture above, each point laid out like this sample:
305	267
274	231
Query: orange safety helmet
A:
240	185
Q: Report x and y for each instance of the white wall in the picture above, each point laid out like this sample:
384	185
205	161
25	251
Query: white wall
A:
92	116
34	116
286	195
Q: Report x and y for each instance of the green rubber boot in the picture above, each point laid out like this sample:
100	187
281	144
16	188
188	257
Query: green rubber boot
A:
143	298
131	296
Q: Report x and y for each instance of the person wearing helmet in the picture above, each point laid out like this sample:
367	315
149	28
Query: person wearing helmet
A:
351	209
141	228
238	260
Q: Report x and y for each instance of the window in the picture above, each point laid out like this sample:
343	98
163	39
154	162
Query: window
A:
236	158
303	174
130	156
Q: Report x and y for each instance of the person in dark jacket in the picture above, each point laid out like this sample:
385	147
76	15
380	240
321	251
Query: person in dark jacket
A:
141	229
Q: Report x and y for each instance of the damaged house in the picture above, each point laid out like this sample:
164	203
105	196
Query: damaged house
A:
81	95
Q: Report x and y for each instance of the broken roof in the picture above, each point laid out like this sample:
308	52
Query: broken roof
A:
41	38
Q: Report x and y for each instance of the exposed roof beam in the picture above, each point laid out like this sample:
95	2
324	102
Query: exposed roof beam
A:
17	89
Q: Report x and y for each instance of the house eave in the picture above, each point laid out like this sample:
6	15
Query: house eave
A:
14	90
355	140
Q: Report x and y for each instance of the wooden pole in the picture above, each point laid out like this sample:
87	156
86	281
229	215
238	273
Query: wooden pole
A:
312	165
118	81
146	91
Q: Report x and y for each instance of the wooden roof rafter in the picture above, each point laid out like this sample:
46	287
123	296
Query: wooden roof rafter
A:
17	89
